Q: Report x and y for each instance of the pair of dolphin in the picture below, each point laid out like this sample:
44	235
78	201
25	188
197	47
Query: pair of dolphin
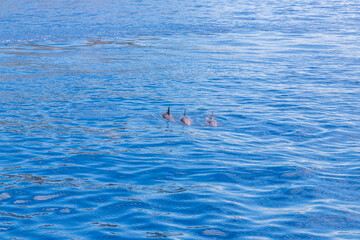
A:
187	120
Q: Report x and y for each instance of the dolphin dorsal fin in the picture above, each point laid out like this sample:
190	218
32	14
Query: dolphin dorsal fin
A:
185	112
168	111
212	115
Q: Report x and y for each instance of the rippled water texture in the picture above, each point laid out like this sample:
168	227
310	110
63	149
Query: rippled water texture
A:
85	153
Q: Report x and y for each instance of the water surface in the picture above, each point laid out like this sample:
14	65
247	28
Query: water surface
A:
85	153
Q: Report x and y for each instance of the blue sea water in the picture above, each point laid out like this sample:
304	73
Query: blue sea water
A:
85	153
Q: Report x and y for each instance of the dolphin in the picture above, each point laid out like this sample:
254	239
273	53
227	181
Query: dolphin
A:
167	115
211	121
186	120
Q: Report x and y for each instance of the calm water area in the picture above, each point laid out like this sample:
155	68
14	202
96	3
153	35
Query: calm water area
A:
85	153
